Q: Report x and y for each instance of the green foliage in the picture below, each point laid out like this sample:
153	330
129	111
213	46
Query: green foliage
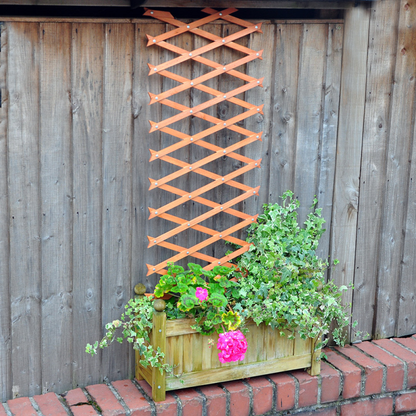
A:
135	324
280	281
284	284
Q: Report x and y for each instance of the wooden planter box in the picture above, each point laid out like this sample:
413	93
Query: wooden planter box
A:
197	364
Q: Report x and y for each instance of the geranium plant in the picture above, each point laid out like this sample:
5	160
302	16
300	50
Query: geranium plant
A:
280	282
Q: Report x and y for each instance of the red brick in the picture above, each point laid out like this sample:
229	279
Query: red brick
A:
50	405
378	407
106	400
166	408
216	400
372	369
406	402
407	342
350	372
239	398
2	411
191	402
285	389
330	411
405	355
21	407
133	398
308	388
76	396
262	395
330	383
395	368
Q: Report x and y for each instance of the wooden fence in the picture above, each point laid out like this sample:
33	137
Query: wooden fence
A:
339	121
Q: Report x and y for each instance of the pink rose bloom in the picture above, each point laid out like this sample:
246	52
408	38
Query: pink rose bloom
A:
232	346
201	293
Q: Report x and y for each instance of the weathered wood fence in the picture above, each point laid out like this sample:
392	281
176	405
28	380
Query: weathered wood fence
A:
339	123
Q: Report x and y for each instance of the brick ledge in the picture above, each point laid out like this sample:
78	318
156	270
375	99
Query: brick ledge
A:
367	379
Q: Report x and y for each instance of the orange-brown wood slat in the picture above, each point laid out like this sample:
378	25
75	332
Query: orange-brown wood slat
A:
194	166
201	60
189	83
198	137
203	217
217	100
203	88
185	27
203	229
229	124
202	172
218	182
204	34
204	243
203	49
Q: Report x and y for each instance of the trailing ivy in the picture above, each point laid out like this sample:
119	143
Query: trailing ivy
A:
283	284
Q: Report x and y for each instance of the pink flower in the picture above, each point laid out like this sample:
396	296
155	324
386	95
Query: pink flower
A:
201	293
232	346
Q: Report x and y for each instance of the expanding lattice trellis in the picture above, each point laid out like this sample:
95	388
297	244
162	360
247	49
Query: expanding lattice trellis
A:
197	139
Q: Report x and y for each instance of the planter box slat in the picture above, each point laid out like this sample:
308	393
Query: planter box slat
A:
195	363
218	375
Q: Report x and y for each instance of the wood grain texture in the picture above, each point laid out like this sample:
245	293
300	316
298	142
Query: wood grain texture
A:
329	130
260	122
87	102
284	116
5	321
397	174
249	3
56	205
117	188
142	169
159	342
197	363
229	373
350	131
326	4
380	72
309	113
406	318
24	193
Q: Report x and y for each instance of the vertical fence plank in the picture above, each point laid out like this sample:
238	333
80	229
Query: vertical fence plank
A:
329	129
406	319
309	114
87	91
5	329
397	174
56	206
260	150
284	92
25	282
380	69
142	169
117	141
350	131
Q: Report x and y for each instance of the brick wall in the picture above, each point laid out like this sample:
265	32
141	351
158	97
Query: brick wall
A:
368	379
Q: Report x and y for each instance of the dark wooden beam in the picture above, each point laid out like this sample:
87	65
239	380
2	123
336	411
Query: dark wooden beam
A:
258	4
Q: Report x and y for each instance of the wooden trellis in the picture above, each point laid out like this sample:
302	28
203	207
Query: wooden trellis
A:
198	138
